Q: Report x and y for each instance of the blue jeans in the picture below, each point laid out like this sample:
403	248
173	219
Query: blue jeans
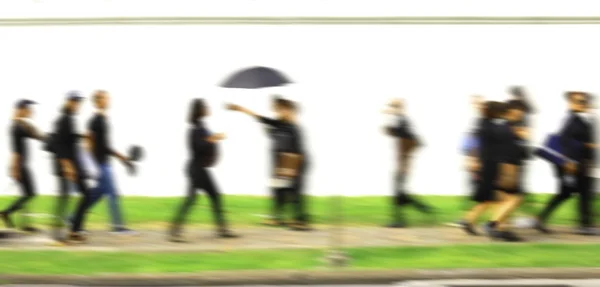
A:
105	186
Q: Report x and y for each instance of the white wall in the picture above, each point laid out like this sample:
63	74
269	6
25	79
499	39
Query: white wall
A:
27	9
344	75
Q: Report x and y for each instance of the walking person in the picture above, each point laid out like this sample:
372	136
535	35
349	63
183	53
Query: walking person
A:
470	150
99	146
407	142
69	170
509	189
20	131
289	159
519	94
204	154
575	176
490	148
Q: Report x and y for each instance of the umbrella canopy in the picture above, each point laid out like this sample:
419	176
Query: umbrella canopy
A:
256	78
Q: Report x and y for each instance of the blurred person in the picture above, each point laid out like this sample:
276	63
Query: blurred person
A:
470	150
471	147
69	170
509	188
204	154
575	177
407	143
289	161
490	156
20	131
99	146
519	93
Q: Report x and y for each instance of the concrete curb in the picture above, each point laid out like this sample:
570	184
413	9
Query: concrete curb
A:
285	277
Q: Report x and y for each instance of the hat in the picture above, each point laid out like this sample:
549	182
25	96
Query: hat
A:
74	96
21	104
586	95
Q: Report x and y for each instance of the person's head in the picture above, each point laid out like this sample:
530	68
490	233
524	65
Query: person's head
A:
397	105
283	108
477	103
23	109
73	102
494	110
515	110
198	110
578	101
101	99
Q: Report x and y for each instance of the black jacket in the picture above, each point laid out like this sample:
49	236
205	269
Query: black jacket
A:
66	142
203	153
497	143
580	130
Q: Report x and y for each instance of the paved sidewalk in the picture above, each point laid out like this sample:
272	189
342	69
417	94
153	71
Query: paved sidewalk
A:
270	238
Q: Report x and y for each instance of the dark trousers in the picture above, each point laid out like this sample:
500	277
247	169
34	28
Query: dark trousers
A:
63	200
402	198
584	188
26	184
201	179
293	194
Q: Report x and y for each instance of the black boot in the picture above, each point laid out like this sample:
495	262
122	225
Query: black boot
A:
7	220
508	236
539	226
223	232
397	221
467	227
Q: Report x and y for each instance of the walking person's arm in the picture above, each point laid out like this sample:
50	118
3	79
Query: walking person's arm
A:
15	166
32	132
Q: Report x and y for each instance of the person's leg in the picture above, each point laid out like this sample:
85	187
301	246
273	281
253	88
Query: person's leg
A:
80	212
113	200
96	193
61	207
297	192
27	190
398	199
586	194
507	207
471	217
278	202
211	189
182	212
418	204
555	202
496	227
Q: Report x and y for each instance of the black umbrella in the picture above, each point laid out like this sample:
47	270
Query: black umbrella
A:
256	78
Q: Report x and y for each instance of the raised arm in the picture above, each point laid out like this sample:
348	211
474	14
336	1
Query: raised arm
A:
264	120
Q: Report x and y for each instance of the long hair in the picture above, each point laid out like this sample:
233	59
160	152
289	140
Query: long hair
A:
196	112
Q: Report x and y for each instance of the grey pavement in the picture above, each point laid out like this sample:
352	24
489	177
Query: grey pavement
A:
269	238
